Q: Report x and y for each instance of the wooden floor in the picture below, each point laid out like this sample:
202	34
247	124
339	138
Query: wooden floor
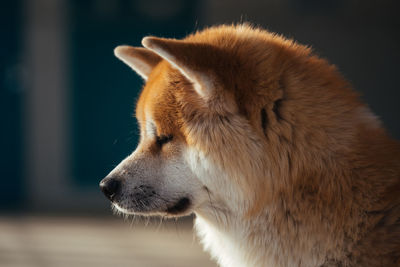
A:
77	241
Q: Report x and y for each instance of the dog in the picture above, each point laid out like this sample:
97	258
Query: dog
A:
271	149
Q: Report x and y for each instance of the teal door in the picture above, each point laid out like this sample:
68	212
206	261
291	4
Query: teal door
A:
11	92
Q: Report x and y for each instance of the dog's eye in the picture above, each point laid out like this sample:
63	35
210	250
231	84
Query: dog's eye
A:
163	139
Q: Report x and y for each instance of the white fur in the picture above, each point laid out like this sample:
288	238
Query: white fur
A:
222	244
172	179
218	221
151	130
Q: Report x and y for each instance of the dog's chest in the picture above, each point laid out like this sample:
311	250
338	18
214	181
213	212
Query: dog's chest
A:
227	246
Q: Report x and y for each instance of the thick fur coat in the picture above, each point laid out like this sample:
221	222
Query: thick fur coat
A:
268	145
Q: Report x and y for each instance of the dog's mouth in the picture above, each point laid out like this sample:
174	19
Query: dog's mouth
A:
180	207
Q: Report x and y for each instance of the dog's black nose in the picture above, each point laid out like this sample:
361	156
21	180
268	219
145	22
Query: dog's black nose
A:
110	187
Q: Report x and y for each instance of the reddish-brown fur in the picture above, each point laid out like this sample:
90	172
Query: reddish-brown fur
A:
323	161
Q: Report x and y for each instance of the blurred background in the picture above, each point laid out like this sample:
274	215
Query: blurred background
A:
67	105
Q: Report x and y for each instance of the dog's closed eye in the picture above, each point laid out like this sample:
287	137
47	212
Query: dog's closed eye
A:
163	139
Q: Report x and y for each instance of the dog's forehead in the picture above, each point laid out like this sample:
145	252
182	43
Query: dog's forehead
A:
154	87
157	102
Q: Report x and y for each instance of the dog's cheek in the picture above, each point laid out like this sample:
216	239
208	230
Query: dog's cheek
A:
179	178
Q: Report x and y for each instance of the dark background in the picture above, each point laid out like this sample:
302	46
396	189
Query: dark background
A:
67	103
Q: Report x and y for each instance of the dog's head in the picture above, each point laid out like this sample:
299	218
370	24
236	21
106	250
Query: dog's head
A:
217	116
197	138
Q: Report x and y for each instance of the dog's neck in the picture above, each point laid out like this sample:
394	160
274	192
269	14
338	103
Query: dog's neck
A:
234	240
223	238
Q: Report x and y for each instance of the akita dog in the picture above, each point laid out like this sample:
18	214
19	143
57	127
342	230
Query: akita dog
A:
267	144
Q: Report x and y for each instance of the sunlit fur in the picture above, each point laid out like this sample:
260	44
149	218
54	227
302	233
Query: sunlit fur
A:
315	182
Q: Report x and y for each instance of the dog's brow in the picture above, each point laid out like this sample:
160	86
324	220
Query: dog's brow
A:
151	128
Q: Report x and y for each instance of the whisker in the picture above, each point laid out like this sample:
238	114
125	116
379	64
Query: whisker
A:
159	224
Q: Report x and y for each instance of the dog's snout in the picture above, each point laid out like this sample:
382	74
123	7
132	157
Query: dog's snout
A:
110	187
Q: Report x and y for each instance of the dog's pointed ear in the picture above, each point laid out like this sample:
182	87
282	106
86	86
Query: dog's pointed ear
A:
140	59
188	58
